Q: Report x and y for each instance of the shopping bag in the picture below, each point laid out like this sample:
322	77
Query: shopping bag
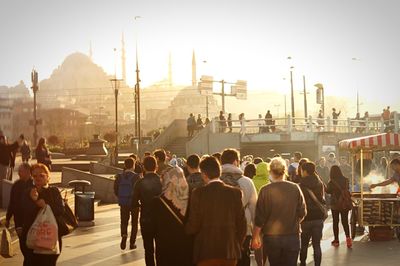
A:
6	246
43	233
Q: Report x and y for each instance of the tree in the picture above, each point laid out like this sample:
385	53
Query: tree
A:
110	137
53	140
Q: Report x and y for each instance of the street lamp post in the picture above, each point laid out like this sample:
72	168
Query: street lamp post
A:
35	88
115	83
292	93
137	98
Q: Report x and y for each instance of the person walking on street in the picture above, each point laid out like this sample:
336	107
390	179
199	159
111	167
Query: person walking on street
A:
7	157
232	175
268	120
173	246
280	210
42	153
15	208
216	219
337	184
25	151
146	189
123	188
313	224
194	179
33	201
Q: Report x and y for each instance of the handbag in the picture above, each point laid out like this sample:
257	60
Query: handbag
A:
322	207
43	234
6	246
66	222
344	201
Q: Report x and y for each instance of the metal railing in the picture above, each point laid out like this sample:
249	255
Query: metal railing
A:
310	124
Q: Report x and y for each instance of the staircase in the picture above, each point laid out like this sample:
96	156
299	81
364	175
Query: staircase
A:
177	146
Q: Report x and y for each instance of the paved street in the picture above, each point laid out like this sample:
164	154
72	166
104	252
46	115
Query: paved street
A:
99	245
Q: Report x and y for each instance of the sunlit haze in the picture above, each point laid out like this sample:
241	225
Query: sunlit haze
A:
247	40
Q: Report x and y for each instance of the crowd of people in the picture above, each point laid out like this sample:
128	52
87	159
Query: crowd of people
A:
211	210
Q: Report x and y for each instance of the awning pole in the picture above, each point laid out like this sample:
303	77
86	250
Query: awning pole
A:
352	172
362	185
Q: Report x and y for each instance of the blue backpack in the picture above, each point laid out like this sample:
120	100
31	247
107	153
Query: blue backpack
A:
127	181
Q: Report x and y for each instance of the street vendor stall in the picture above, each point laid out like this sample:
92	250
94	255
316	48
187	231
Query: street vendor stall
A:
379	211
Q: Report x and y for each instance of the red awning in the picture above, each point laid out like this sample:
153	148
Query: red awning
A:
386	141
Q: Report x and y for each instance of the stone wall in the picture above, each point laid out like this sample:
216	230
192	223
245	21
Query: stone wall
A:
102	186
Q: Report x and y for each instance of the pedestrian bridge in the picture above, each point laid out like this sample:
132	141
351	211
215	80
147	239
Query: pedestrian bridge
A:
314	137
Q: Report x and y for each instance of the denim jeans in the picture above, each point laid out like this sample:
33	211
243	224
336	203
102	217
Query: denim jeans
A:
311	230
282	250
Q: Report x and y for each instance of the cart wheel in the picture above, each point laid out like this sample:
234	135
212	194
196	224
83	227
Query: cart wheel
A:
353	222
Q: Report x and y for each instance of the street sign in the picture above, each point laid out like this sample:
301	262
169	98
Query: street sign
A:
206	85
240	90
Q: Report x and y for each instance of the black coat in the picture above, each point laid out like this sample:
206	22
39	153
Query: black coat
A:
314	184
173	246
336	192
217	219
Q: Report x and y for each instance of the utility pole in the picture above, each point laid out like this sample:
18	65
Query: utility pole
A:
284	98
139	134
358	103
292	93
116	81
223	95
305	97
207	106
35	88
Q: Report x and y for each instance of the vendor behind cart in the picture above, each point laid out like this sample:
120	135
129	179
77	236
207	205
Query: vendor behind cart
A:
395	165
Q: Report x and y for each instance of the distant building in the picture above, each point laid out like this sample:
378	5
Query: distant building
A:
6	124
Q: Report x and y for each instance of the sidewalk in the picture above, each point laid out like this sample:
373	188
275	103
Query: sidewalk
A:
98	245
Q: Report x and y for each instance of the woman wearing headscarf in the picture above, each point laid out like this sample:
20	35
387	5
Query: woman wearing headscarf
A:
173	246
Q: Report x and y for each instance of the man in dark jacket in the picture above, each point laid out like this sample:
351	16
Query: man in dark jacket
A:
14	207
216	219
7	159
145	190
313	224
194	179
123	189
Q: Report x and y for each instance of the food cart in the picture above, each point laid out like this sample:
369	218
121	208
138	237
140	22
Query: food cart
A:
375	210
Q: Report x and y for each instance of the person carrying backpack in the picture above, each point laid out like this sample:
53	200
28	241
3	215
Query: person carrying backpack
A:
123	188
338	187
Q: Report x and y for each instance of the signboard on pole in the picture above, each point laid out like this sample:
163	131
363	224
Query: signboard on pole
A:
320	93
206	85
240	90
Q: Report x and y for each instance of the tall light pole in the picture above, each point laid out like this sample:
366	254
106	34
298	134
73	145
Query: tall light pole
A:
305	97
137	93
115	84
292	89
35	88
356	59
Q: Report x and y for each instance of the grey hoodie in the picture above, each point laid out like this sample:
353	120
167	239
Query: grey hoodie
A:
232	175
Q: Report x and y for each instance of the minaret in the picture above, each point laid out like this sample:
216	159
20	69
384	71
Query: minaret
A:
194	79
123	58
90	51
170	70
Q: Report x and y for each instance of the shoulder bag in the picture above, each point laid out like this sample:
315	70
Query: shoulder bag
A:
322	207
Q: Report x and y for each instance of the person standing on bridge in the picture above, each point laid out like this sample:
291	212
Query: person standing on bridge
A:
335	117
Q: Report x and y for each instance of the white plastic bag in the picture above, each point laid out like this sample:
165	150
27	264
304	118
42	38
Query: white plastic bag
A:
43	234
6	246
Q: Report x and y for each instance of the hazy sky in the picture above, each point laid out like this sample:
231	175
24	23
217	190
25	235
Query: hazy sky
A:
248	40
